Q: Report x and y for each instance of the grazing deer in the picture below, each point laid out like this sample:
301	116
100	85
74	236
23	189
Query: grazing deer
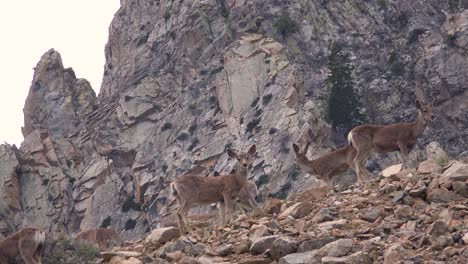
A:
192	190
102	237
328	165
367	139
26	244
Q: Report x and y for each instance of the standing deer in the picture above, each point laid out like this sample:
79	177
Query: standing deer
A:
26	244
190	190
328	165
367	139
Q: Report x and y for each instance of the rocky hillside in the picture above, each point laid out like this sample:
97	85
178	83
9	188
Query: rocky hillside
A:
185	79
408	216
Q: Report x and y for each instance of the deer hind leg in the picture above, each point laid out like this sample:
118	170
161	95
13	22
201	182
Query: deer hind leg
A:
26	250
404	154
359	161
182	216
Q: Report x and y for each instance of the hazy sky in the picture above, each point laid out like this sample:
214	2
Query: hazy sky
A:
78	29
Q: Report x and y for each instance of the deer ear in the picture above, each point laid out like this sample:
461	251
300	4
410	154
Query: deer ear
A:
296	148
418	104
232	153
252	150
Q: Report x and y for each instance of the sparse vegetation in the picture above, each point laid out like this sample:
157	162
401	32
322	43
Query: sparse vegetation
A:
396	66
344	107
194	143
294	172
254	102
45	182
252	124
192	128
130	224
183	136
266	99
272	130
130	204
166	126
167	15
67	251
283	192
106	222
284	141
451	40
285	25
442	160
262	180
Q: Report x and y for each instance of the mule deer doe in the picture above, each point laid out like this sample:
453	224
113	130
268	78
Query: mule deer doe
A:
26	244
192	190
328	165
367	139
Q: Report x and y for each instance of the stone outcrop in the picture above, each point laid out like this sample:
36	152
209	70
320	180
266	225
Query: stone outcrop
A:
183	80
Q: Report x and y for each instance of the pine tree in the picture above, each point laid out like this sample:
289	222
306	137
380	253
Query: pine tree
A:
343	102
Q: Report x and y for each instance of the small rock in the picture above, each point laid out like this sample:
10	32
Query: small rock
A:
225	250
325	214
403	211
333	224
163	235
356	258
254	260
336	248
392	170
297	210
429	166
174	256
372	214
457	172
438	228
397	196
394	254
273	206
297	258
283	246
313	244
259	231
188	260
465	238
460	188
262	244
438	195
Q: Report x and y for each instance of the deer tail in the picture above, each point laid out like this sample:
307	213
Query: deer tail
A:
173	189
350	138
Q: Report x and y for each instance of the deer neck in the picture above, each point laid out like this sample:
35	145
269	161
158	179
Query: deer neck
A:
419	125
241	173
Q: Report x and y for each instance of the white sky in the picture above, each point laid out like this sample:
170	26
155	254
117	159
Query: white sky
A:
77	29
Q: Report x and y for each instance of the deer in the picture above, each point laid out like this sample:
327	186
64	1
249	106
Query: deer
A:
102	237
26	244
190	190
246	196
367	139
328	165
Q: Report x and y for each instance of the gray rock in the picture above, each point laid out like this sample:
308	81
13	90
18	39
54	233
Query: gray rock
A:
283	246
162	235
313	244
262	244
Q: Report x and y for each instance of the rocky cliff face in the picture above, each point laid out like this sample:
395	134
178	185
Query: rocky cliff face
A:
185	79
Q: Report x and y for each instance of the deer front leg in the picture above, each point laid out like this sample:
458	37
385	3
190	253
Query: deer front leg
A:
222	210
404	153
227	196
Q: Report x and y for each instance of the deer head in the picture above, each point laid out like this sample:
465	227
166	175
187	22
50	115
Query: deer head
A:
301	155
425	110
243	159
